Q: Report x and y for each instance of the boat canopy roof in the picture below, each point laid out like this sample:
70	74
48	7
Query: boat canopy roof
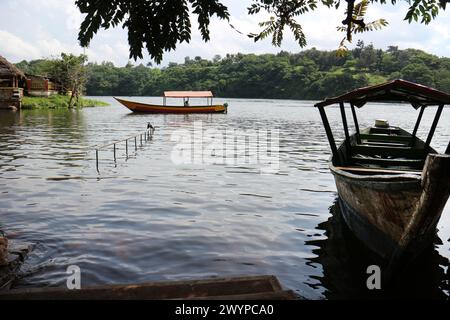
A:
188	94
392	91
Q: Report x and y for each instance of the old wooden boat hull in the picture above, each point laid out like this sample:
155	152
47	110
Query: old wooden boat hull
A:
152	108
394	212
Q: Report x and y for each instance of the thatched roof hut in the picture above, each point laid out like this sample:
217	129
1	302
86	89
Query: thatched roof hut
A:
10	75
8	69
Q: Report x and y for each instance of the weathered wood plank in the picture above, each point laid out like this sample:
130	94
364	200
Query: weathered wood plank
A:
413	163
379	171
405	152
385	137
279	295
239	286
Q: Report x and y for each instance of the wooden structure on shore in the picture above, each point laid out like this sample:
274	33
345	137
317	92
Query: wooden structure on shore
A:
11	83
41	86
392	186
240	288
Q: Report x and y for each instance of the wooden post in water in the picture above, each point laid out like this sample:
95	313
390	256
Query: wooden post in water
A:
135	143
96	158
115	159
126	147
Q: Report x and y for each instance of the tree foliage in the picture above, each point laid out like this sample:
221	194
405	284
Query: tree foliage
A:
310	74
159	26
68	70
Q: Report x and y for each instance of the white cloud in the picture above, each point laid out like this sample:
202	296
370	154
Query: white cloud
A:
13	46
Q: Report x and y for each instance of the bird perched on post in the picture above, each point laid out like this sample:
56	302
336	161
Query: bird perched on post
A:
149	126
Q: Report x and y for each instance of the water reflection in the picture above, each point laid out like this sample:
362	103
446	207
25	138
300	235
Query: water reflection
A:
146	219
345	259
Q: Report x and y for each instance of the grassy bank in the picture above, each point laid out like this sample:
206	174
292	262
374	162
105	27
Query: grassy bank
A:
58	101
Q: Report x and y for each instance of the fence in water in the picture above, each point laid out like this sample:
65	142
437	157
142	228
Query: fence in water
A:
142	138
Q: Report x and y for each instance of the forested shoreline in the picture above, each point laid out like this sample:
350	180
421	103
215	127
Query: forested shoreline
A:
309	74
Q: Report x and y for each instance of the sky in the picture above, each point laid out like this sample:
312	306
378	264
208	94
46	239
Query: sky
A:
31	29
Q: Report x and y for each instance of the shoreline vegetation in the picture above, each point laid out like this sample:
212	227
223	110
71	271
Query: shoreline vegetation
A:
59	101
306	75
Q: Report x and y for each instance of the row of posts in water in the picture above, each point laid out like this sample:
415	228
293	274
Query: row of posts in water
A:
143	137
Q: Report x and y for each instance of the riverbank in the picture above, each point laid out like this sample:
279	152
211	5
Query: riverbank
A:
59	101
12	256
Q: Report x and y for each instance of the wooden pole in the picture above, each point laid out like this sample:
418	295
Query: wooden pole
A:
329	133
347	134
96	159
355	120
126	147
433	126
115	159
419	119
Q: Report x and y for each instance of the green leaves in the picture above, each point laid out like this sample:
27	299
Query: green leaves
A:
283	13
159	26
156	25
425	10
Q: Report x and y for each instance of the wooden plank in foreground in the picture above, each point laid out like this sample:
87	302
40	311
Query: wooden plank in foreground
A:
254	287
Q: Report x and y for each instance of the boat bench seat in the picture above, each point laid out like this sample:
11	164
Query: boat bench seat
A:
387	151
409	163
360	170
387	130
386	138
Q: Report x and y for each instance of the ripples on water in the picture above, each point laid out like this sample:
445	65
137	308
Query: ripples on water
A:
147	219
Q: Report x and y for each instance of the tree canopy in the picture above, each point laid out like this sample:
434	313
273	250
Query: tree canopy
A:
68	70
160	26
309	74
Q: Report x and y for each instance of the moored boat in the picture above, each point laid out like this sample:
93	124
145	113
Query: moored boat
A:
392	186
185	108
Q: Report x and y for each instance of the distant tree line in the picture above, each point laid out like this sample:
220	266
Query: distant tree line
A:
310	74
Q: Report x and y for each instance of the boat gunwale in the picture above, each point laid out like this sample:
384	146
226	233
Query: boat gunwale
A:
384	182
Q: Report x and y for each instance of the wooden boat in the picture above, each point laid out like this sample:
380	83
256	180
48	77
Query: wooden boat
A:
392	186
186	108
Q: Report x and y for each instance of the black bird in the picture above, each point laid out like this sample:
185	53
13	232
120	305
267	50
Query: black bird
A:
149	126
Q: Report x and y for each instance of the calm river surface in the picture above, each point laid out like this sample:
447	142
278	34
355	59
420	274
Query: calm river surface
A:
147	218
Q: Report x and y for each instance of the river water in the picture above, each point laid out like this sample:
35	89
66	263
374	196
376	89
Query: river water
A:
149	217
